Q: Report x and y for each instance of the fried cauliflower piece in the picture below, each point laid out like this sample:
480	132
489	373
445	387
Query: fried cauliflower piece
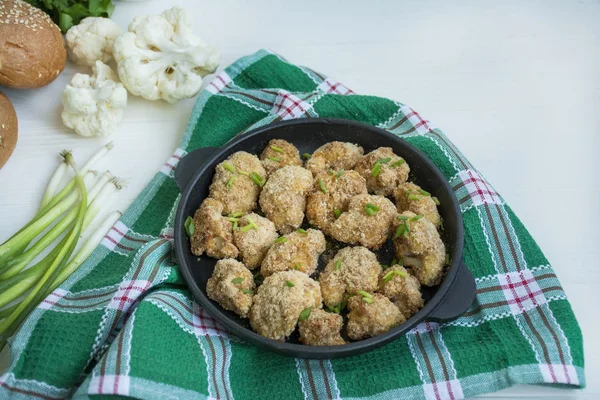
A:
410	197
253	237
403	289
283	198
383	170
335	155
421	247
278	154
212	232
279	302
371	316
352	269
232	184
356	226
296	251
232	286
340	187
321	329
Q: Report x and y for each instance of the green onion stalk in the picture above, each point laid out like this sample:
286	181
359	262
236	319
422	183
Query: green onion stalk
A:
64	252
66	213
16	284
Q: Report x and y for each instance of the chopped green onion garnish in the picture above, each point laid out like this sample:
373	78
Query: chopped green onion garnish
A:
399	231
246	291
376	170
251	225
235	226
367	300
244	173
365	294
384	266
231	219
337	212
189	226
435	200
297	266
338	264
441	224
235	215
289	283
322	186
340	173
402	217
302	231
335	309
281	239
229	167
388	277
230	182
398	163
306	156
424	192
276	159
417	217
305	313
407	227
384	160
447	259
277	149
414	197
394	261
370	211
331	171
259	180
373	206
237	280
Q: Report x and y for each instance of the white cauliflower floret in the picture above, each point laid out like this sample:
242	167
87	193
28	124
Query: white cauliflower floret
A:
160	58
93	105
92	40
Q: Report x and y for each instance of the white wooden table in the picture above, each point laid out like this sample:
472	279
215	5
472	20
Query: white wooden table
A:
516	85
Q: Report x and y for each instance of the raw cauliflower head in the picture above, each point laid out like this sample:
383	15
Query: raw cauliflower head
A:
93	105
160	58
92	40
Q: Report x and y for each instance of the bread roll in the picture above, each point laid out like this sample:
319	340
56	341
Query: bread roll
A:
8	129
32	49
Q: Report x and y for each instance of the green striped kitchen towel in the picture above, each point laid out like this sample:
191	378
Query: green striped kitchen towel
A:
124	324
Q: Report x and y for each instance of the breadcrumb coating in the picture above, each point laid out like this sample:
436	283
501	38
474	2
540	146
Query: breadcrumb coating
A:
299	251
371	319
212	232
402	288
418	203
278	154
321	329
336	155
254	243
232	286
391	172
279	302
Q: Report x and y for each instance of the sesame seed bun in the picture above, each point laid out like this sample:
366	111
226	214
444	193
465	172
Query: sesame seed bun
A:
32	49
8	129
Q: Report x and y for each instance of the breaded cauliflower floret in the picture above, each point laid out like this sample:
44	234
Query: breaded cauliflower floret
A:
383	170
212	232
283	198
232	286
278	154
279	302
253	237
360	226
410	197
321	329
371	316
335	155
232	184
352	269
297	250
403	289
419	245
326	203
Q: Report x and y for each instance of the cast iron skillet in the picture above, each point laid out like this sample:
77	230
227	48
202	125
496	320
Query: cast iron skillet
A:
194	175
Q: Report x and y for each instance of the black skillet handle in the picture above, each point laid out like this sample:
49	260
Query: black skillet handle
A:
188	165
459	298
